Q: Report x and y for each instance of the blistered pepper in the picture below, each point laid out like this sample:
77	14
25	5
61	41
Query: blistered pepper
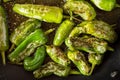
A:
27	47
34	62
57	55
79	60
81	8
106	5
50	14
51	68
94	59
63	32
88	44
99	29
22	31
4	40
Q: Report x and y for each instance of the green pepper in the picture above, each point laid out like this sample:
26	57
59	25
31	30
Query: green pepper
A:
27	47
88	44
44	13
62	32
94	59
57	55
51	68
4	40
81	8
79	60
23	30
96	28
106	5
33	63
6	0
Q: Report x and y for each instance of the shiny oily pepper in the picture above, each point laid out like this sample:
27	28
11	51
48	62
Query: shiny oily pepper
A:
50	14
81	8
4	40
51	68
34	62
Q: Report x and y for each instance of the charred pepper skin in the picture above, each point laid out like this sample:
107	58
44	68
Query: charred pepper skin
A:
88	44
96	28
79	60
23	30
27	47
81	8
50	14
34	62
4	39
63	32
57	55
51	68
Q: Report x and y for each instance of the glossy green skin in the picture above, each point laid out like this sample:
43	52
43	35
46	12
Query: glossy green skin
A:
95	28
51	68
57	55
4	40
28	46
106	5
88	44
95	59
23	30
81	8
50	14
63	32
79	60
34	62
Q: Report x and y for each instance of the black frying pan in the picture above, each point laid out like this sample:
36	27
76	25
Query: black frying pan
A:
108	70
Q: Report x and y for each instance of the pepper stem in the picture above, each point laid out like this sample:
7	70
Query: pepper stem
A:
117	5
74	72
3	58
110	48
49	31
11	48
92	68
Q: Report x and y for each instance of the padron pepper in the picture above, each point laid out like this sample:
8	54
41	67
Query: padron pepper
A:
106	5
96	28
79	60
27	47
81	8
51	68
88	44
50	14
34	62
57	55
63	32
94	59
4	40
23	30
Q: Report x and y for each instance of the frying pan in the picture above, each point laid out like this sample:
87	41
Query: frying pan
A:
108	70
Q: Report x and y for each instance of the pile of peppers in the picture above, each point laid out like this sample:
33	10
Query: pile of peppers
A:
29	46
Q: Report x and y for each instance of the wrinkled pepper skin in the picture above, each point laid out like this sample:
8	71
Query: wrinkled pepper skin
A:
62	32
23	30
4	40
34	62
106	5
94	59
57	55
27	47
51	68
81	8
50	14
88	44
95	28
79	60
